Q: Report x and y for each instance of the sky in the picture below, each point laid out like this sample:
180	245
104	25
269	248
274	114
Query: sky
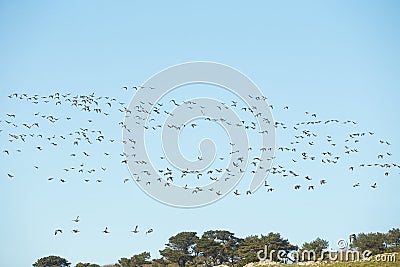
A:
336	59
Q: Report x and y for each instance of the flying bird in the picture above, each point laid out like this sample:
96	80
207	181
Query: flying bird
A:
58	231
135	230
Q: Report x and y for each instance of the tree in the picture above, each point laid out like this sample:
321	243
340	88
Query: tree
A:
248	249
217	247
392	240
80	264
52	261
140	259
375	242
161	262
135	261
124	262
317	246
180	248
251	245
207	249
274	241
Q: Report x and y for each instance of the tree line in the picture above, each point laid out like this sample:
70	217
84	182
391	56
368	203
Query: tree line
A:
217	247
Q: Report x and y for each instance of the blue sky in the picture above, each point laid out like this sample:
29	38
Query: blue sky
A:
338	59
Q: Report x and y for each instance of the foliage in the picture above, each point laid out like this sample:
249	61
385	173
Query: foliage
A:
317	245
274	241
181	248
392	240
248	249
161	262
375	242
52	261
135	261
217	247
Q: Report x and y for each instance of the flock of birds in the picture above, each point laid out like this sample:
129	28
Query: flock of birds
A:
302	148
343	150
105	231
77	137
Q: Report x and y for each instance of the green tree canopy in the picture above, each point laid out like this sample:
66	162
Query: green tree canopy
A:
375	242
392	240
274	241
180	248
317	246
248	249
135	261
160	262
52	261
218	246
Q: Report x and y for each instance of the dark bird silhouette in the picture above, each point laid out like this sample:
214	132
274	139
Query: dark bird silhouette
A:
173	101
135	230
58	231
